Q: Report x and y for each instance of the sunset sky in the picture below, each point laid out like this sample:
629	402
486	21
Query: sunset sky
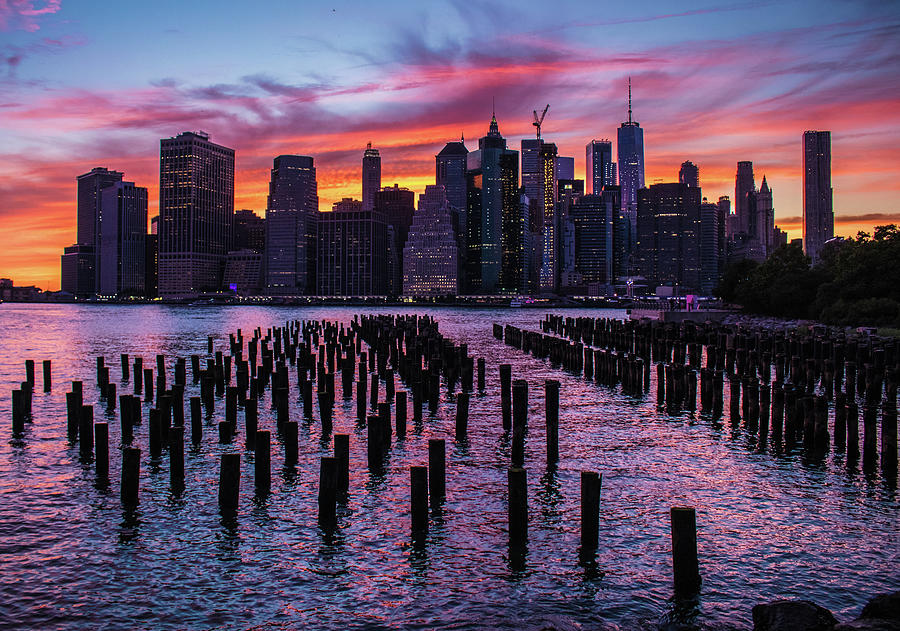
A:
85	84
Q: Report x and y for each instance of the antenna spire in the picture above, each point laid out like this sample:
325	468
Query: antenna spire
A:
629	99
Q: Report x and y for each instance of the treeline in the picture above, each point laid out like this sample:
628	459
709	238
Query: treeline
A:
856	282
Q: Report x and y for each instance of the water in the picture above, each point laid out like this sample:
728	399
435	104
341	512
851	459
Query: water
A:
769	525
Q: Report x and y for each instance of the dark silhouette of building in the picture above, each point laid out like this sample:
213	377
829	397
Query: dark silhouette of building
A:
291	215
593	217
724	216
689	175
450	172
600	170
744	189
249	231
371	176
196	205
765	219
122	239
818	208
669	236
89	219
630	149
492	191
243	272
397	205
151	265
77	267
565	168
709	246
352	251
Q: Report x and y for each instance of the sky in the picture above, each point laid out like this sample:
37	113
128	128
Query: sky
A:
86	84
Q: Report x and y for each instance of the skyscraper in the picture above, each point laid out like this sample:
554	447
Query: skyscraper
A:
89	221
565	168
669	236
450	172
123	239
818	209
765	224
352	251
291	215
492	190
630	148
709	246
429	257
371	176
249	231
600	168
196	205
593	216
744	188
397	205
689	175
539	161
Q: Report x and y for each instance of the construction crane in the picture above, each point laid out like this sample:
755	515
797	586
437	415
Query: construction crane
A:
538	121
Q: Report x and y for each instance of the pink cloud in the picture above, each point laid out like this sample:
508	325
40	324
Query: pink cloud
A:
24	14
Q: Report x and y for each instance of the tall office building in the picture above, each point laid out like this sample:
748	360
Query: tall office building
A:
249	231
397	205
593	217
630	149
450	172
724	216
744	188
709	246
689	174
818	209
77	270
429	257
669	236
565	168
291	215
539	161
196	208
352	251
89	222
122	249
765	223
492	175
599	165
371	176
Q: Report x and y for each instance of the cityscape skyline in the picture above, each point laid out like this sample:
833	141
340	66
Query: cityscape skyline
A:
432	86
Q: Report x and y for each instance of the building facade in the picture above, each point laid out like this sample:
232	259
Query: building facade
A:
630	156
196	208
352	251
600	170
430	255
290	227
371	176
689	174
123	240
397	205
818	202
669	236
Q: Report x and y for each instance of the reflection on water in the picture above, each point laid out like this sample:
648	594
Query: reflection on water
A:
772	522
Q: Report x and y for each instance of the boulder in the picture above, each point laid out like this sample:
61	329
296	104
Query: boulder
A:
883	607
792	615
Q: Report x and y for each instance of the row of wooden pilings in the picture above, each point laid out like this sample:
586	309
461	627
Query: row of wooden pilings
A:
790	405
408	347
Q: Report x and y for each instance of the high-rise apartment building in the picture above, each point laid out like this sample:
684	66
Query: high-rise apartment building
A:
196	208
352	251
249	231
599	165
630	150
818	208
90	222
430	254
371	176
689	174
291	215
593	217
123	235
669	236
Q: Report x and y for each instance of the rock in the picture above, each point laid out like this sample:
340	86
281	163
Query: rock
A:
792	615
872	624
883	607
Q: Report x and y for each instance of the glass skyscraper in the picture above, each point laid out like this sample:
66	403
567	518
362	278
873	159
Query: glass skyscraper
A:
292	211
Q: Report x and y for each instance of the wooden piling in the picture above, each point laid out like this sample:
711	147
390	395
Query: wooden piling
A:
328	490
47	378
462	415
176	458
506	394
229	482
342	455
86	430
401	412
518	506
101	449
291	448
262	462
551	411
437	467
196	421
590	510
131	474
685	566
418	500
